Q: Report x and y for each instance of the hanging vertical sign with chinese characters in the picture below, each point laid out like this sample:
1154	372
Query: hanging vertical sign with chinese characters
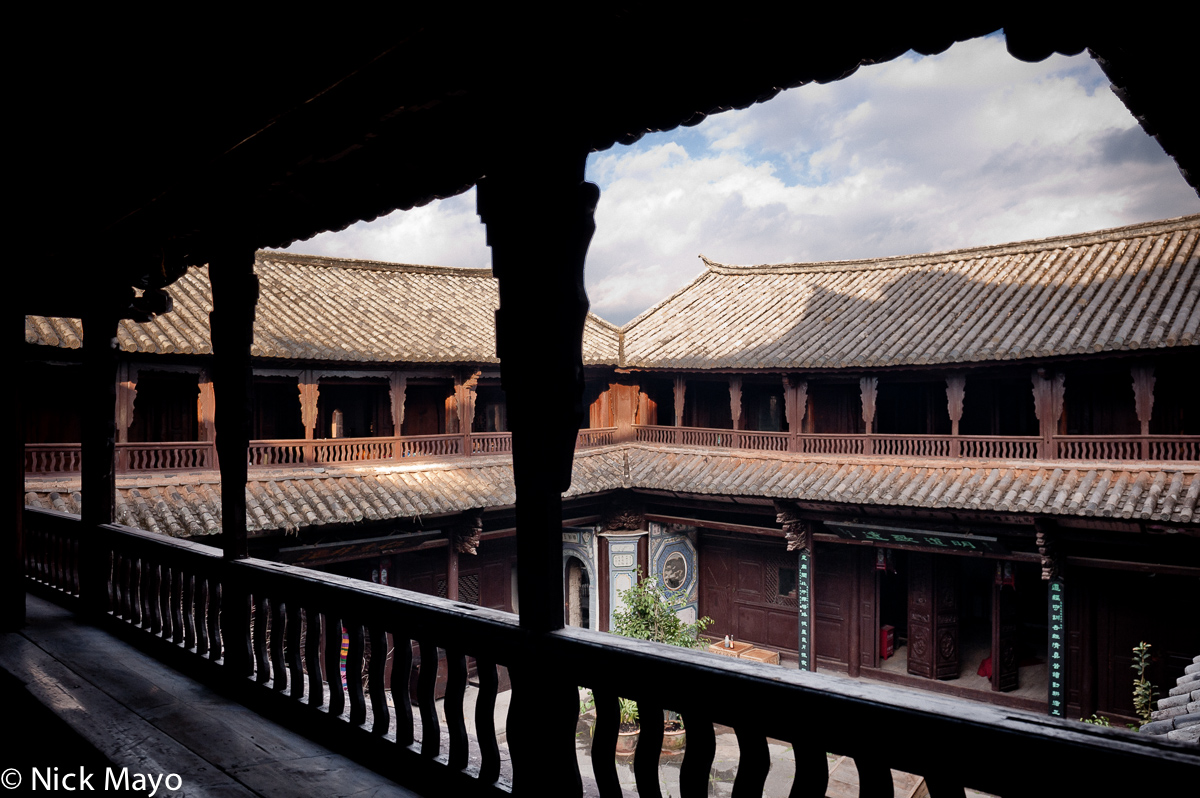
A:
804	602
1057	649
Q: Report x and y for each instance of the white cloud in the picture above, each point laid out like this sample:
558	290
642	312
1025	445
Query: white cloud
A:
966	148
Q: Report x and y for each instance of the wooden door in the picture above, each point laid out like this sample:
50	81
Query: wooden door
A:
933	610
1004	636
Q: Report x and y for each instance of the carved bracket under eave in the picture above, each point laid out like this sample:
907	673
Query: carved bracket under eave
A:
796	530
464	533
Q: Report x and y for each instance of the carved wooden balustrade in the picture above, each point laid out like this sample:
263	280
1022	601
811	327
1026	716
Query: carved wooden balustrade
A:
64	458
169	595
1169	448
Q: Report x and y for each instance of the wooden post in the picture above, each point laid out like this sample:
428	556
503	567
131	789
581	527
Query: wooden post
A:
126	396
1048	393
735	406
956	387
452	571
310	393
397	387
868	387
539	216
795	405
680	390
1143	397
98	477
464	401
206	408
12	550
235	294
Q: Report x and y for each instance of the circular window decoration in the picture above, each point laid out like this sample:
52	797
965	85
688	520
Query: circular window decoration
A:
674	571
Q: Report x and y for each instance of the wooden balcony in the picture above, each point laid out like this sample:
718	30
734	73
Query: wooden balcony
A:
185	604
64	458
1118	448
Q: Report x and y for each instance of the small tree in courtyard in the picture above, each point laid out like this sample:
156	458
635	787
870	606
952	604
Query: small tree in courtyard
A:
649	613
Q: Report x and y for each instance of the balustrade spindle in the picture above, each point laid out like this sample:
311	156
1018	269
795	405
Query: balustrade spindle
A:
401	673
698	756
123	587
149	599
293	655
942	787
431	733
188	610
375	679
177	631
214	619
812	769
604	743
754	761
312	657
874	779
456	687
649	750
154	589
200	610
333	659
259	635
164	602
354	672
277	637
485	720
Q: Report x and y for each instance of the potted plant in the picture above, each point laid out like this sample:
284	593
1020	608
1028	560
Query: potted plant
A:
649	612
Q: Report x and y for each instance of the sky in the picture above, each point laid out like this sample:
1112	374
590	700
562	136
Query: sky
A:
967	148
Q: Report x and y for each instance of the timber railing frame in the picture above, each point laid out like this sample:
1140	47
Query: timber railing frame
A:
1150	448
167	595
64	458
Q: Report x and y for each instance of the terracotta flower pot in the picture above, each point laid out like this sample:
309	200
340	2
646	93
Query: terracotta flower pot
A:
627	741
674	740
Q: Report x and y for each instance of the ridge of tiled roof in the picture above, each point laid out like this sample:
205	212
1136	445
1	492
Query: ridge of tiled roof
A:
1015	247
1131	287
284	500
322	308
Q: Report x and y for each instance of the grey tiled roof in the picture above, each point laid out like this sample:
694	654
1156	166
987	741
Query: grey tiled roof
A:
287	500
1134	287
335	309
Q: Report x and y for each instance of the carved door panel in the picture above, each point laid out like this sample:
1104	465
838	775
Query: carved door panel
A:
933	616
1004	638
715	587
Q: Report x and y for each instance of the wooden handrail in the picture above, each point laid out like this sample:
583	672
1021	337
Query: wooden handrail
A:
65	458
174	591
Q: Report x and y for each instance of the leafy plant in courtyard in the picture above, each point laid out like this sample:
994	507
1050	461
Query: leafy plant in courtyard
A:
648	612
1143	690
1098	720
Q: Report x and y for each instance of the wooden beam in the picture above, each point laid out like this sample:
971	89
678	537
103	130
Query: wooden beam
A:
706	524
1139	567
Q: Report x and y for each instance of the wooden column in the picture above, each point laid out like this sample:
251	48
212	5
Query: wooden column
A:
12	535
795	405
798	534
956	387
98	477
464	401
397	387
206	408
1143	397
868	387
539	216
235	294
126	396
735	404
1048	393
680	391
310	393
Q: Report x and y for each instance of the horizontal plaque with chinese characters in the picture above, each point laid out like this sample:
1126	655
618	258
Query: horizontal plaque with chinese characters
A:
926	539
